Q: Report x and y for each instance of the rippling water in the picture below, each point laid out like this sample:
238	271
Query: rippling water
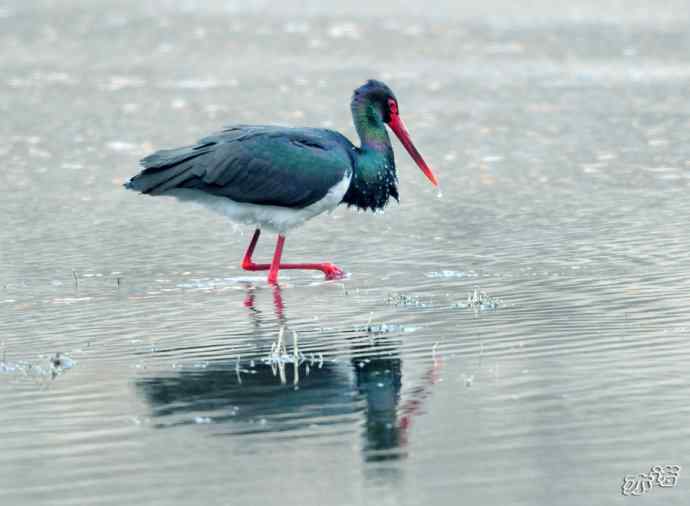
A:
561	135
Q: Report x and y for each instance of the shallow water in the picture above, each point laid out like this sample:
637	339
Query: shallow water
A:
561	137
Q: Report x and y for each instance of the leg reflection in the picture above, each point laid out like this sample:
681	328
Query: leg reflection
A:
278	306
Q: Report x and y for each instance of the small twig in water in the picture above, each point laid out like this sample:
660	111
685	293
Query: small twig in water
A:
281	349
237	370
279	344
295	351
371	317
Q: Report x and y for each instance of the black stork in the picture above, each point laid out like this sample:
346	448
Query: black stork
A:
276	177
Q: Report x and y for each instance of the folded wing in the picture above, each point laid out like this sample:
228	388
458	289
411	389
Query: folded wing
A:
267	165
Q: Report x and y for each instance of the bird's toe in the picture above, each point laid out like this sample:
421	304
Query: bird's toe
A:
332	271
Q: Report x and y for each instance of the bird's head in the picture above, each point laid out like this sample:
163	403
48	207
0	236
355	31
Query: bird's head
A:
384	105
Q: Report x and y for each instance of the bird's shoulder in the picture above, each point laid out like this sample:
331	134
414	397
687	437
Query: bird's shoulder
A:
283	149
314	138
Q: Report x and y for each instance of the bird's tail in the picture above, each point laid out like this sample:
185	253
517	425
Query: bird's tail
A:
166	169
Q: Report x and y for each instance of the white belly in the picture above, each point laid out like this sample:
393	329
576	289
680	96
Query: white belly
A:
274	218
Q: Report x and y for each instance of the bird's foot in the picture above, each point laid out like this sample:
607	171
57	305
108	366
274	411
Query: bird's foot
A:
332	271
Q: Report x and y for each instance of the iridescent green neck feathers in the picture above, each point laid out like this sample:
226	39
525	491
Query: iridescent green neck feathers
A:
374	179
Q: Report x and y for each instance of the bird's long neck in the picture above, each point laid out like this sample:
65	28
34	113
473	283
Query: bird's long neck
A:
374	179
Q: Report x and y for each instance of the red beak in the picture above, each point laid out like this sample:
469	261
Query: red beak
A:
400	130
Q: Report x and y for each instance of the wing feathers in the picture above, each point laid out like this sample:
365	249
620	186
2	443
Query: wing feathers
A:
286	167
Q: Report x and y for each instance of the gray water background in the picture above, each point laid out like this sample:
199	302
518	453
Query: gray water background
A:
560	134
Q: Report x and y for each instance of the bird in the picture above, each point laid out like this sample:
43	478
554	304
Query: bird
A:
276	178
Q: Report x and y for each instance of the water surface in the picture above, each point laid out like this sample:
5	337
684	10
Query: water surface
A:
561	138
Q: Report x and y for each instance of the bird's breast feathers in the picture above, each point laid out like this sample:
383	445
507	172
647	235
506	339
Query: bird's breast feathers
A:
273	218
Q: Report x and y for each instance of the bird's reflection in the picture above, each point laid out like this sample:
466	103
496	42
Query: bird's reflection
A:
255	313
309	391
378	382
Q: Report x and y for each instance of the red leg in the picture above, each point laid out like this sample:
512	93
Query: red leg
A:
247	263
331	271
275	264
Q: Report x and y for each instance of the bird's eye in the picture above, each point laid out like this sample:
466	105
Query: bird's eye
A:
392	106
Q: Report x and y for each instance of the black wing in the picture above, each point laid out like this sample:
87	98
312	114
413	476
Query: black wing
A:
287	167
